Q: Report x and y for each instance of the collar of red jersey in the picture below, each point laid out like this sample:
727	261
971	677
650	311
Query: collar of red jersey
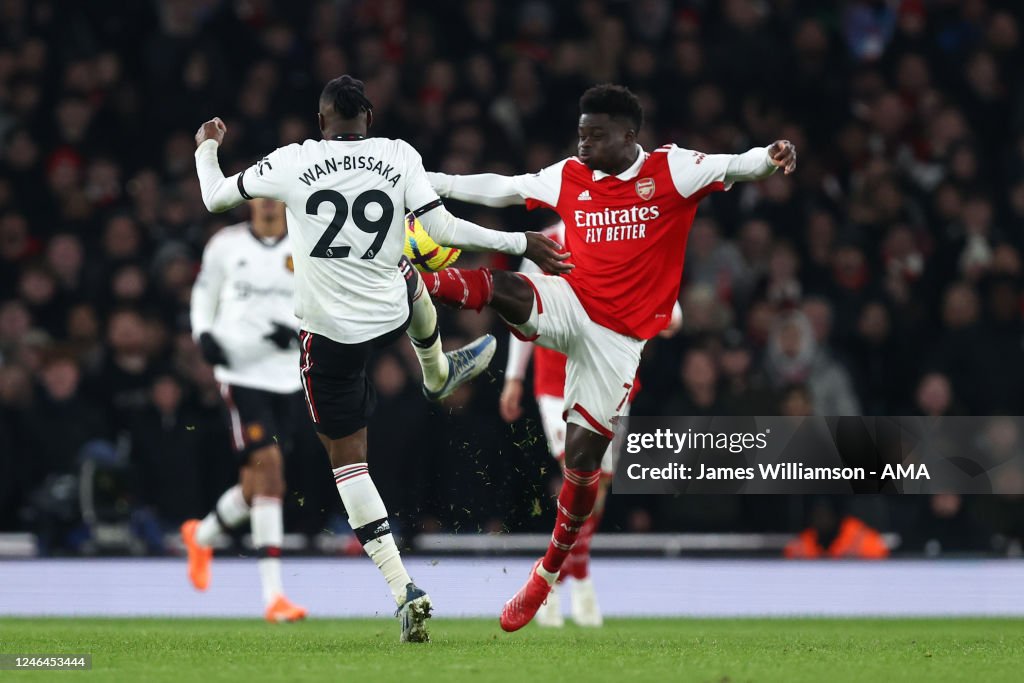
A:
631	172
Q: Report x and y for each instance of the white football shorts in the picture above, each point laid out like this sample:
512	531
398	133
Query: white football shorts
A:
601	364
552	418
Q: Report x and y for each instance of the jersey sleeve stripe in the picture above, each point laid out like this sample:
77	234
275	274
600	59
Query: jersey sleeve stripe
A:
430	206
241	187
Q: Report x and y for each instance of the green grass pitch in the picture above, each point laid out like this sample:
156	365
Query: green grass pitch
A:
716	650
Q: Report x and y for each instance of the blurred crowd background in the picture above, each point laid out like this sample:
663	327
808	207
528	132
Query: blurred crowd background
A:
883	278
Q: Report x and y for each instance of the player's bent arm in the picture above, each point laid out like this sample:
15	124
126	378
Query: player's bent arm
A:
444	228
219	193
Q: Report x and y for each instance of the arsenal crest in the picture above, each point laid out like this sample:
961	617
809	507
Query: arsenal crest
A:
645	188
289	264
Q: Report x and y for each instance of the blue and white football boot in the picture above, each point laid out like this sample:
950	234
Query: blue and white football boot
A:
413	613
463	365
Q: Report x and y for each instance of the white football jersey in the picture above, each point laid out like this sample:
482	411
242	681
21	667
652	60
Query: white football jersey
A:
245	285
347	198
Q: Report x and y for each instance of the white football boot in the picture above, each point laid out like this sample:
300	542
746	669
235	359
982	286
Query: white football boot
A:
585	611
550	613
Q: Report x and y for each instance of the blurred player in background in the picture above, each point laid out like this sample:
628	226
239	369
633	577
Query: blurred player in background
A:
549	392
346	196
627	213
243	320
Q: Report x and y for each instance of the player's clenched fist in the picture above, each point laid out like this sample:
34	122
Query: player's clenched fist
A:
547	254
783	154
213	129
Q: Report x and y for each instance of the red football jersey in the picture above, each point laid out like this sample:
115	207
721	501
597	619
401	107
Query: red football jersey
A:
627	233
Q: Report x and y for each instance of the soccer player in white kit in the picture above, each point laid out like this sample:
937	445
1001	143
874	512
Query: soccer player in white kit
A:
242	318
346	197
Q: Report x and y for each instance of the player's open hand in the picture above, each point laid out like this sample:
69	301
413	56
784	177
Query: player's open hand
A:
213	129
783	154
510	405
547	254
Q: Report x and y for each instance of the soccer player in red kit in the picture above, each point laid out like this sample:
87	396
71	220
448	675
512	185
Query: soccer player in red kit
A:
549	393
627	215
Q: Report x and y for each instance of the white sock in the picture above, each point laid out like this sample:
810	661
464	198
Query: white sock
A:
369	519
426	339
267	535
550	577
233	510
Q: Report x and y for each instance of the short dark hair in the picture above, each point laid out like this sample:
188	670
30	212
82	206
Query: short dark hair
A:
346	95
614	100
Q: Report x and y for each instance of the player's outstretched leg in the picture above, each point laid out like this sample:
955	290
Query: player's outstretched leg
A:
513	298
583	452
369	520
507	293
443	373
230	512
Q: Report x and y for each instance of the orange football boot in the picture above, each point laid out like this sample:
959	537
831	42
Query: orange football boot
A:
282	610
199	556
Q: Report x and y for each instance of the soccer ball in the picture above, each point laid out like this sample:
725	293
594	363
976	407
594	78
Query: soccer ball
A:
426	255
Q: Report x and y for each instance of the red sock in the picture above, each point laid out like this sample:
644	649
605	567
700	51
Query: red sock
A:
578	564
575	503
461	288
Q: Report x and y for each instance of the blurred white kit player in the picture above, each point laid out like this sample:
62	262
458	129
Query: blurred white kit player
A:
549	392
242	319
